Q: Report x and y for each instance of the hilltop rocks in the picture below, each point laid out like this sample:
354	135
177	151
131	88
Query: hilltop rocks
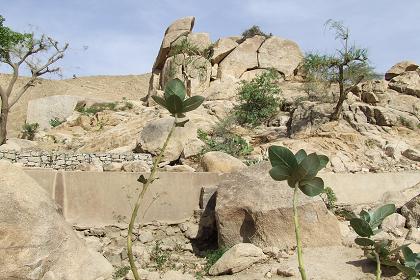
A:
42	110
242	58
222	48
253	208
36	242
400	68
177	29
280	54
407	83
213	70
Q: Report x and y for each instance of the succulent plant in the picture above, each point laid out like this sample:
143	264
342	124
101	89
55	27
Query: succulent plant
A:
300	171
174	99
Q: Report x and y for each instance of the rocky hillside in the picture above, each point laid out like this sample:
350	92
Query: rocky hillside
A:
379	130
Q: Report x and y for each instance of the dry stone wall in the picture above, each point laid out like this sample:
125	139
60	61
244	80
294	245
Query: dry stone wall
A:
72	161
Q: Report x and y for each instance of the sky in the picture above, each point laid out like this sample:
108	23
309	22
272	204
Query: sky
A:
121	37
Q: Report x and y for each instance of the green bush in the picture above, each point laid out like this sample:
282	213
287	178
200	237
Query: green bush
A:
228	142
55	122
253	31
329	198
29	130
258	99
92	110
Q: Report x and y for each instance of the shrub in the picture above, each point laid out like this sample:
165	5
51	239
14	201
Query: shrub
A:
229	143
29	130
92	110
258	99
253	31
55	122
366	226
329	198
175	101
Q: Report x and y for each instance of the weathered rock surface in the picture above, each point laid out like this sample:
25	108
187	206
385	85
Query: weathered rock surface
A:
400	68
280	54
221	162
411	211
237	258
19	145
252	207
36	242
222	48
241	59
42	110
407	83
182	26
154	134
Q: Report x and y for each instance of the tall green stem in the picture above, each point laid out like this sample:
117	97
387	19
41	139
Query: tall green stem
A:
378	266
139	200
297	231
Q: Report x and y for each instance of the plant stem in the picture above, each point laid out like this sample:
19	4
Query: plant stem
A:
139	200
378	266
297	231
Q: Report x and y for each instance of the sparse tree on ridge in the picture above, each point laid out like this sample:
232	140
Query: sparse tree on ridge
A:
18	50
348	67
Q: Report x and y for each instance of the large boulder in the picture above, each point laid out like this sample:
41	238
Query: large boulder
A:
36	242
42	110
221	162
400	68
222	48
280	54
178	28
201	40
407	83
16	144
242	58
225	89
251	207
154	135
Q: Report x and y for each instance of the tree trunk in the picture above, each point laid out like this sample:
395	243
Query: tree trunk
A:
337	110
3	122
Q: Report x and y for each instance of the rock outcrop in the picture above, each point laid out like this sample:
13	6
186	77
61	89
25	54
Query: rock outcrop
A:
251	207
36	242
213	70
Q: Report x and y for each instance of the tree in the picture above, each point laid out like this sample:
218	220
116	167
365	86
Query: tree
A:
348	67
19	50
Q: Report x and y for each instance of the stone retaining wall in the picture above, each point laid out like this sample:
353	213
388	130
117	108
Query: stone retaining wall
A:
70	161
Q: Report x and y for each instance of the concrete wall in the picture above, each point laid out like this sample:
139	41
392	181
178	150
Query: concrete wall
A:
103	198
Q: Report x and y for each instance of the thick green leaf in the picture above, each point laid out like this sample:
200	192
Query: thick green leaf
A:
380	214
159	100
174	104
291	181
300	155
382	247
362	241
361	227
312	187
193	103
279	173
308	168
282	156
409	271
175	87
365	215
323	161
